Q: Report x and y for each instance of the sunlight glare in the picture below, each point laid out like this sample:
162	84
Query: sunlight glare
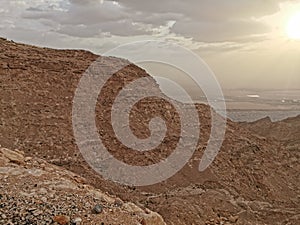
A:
293	27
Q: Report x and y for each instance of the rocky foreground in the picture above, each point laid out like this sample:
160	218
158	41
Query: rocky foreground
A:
33	191
254	179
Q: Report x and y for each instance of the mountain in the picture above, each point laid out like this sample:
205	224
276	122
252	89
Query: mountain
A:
286	131
253	180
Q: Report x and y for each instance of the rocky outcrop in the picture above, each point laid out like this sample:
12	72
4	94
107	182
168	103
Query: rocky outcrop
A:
35	192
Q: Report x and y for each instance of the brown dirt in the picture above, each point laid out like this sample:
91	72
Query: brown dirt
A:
254	180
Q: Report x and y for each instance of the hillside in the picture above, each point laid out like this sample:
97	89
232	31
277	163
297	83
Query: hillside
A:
254	179
35	192
286	131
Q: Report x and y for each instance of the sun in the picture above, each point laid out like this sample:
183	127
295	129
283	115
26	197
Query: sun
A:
293	27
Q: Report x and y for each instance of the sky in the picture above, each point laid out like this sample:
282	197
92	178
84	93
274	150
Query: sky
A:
244	42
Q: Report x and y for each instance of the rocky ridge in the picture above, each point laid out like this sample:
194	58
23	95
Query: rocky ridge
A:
286	131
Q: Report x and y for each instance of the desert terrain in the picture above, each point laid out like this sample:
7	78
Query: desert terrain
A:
45	180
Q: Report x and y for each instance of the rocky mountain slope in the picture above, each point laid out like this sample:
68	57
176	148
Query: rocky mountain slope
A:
35	192
254	179
286	131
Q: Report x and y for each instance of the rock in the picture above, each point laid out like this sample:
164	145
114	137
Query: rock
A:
233	219
4	66
43	191
13	156
37	212
76	221
56	198
61	219
118	203
27	159
148	217
98	209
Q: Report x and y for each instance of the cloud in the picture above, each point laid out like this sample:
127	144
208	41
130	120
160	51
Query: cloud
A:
106	29
88	19
234	30
206	20
206	9
87	14
203	21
